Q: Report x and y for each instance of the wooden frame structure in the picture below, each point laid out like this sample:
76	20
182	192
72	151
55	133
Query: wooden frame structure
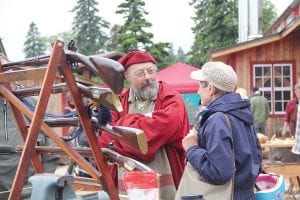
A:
29	153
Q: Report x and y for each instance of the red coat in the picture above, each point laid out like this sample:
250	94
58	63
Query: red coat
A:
168	125
291	114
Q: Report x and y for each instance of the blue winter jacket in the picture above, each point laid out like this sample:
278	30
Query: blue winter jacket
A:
218	139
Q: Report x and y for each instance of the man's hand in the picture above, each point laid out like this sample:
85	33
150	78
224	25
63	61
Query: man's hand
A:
191	139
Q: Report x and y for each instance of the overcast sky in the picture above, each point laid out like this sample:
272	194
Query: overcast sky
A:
171	20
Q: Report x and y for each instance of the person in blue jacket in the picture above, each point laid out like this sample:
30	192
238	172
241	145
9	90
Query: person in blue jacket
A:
223	149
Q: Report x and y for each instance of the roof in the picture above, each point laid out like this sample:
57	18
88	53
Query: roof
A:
178	77
284	15
256	42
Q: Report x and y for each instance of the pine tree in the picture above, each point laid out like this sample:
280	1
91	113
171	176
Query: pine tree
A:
160	51
34	44
216	26
269	14
132	34
66	37
181	55
112	43
171	58
88	28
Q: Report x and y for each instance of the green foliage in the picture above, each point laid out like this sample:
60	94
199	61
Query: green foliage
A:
160	51
112	43
269	14
88	28
132	34
181	56
66	37
34	44
216	26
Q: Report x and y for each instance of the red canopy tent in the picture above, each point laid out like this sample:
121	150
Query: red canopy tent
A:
178	77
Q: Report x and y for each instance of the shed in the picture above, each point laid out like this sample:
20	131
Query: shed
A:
270	63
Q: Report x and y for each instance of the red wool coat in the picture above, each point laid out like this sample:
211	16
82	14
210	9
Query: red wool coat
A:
168	125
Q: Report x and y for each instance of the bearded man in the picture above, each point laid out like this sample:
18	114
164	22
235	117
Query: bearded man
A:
152	106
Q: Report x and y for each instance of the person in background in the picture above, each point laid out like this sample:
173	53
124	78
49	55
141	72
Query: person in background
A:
261	111
292	121
242	92
290	117
225	146
152	106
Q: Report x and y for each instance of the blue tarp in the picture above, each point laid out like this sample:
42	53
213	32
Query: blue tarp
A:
191	101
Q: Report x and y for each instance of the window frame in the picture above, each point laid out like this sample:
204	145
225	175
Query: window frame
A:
272	89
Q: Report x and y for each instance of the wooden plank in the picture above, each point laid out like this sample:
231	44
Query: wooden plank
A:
21	75
273	144
285	169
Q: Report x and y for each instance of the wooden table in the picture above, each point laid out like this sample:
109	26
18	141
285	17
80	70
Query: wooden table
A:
278	143
288	170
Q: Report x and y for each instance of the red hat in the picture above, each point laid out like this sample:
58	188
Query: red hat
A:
136	57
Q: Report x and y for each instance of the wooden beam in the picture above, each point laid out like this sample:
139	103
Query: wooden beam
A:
21	75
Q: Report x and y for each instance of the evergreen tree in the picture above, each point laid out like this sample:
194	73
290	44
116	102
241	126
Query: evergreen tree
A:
269	14
171	58
132	34
112	45
181	55
160	51
88	28
34	44
216	26
66	37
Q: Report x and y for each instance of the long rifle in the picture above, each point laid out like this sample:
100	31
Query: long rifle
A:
136	138
110	71
102	96
34	61
128	163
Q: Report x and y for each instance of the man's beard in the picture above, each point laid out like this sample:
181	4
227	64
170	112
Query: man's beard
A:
148	91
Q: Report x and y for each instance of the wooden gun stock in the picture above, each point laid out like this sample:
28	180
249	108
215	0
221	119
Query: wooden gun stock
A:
102	96
136	138
128	163
110	71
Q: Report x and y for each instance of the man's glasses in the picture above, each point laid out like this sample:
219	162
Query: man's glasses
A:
142	73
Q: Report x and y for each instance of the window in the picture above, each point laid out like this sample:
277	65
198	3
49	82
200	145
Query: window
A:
275	82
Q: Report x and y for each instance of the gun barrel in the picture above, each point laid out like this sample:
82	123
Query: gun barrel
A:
38	60
128	163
